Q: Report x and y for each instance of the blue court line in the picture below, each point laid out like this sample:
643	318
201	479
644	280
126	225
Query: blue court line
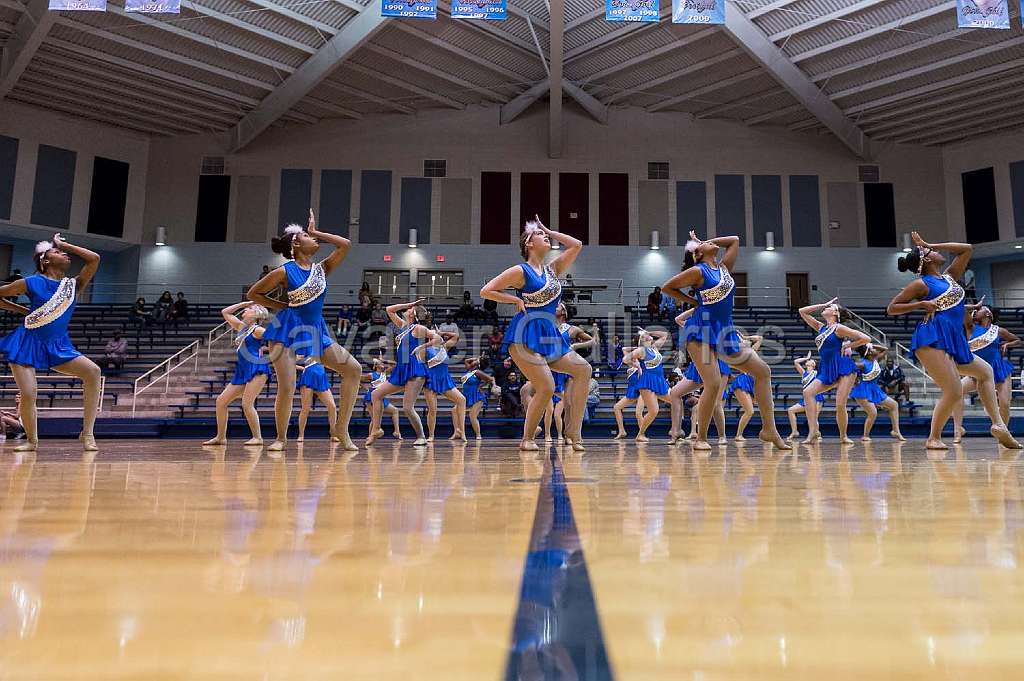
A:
557	632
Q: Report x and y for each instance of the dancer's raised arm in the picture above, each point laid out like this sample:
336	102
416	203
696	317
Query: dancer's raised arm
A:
340	243
91	259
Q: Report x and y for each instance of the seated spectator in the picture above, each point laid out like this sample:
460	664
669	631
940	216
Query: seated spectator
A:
654	303
501	372
114	353
511	403
180	309
448	326
593	396
162	308
595	332
139	315
344	321
668	307
378	317
490	312
494	342
363	318
894	382
10	421
468	310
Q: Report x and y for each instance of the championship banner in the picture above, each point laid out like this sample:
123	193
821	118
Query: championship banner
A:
495	10
418	9
982	14
698	11
633	10
82	5
153	6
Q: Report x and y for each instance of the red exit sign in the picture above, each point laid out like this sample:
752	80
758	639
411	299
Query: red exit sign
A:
440	258
387	258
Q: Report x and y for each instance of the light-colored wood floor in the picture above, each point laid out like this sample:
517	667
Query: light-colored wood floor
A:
162	560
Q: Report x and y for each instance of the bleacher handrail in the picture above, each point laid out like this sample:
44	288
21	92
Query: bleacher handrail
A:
215	335
189	353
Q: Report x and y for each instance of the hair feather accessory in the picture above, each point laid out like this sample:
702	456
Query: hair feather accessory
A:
293	230
532	226
692	245
43	247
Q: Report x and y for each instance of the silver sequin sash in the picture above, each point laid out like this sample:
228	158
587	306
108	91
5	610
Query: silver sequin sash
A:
550	291
953	296
719	291
439	358
311	289
820	339
807	378
55	307
986	339
876	370
654	362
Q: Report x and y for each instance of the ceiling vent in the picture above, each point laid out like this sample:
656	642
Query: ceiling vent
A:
868	174
212	165
657	170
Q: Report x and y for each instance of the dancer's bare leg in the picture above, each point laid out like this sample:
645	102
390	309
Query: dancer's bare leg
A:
746	412
981	372
706	361
25	378
843	388
89	373
650	401
943	371
871	413
341	361
893	407
431	398
305	406
283	360
536	370
227	396
458	414
377	407
252	391
752	364
579	371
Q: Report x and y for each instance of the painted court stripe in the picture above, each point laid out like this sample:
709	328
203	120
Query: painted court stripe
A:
557	632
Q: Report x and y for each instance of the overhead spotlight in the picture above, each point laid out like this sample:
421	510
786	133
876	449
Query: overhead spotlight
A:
655	241
769	241
412	237
1019	246
906	242
161	236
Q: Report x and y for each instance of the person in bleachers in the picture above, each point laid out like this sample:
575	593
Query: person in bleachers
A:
10	420
615	356
42	342
467	311
593	396
139	315
163	308
940	340
378	317
114	353
654	304
363	318
366	298
668	308
511	402
489	315
180	311
449	325
343	322
894	382
501	371
595	332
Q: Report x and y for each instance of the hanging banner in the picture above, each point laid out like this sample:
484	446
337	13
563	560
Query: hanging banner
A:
698	11
82	5
153	6
495	10
633	10
418	9
982	14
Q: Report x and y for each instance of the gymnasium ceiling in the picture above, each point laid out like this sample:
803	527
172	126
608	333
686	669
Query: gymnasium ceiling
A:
891	70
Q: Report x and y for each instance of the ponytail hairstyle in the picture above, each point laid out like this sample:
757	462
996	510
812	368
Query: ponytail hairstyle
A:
420	313
285	244
42	248
690	257
261	313
911	262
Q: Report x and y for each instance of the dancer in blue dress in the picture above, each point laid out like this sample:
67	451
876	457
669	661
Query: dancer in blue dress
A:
409	374
709	335
252	370
313	381
532	337
578	340
835	342
439	381
41	343
651	385
742	387
990	342
476	398
378	376
298	327
940	339
807	367
869	395
690	382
